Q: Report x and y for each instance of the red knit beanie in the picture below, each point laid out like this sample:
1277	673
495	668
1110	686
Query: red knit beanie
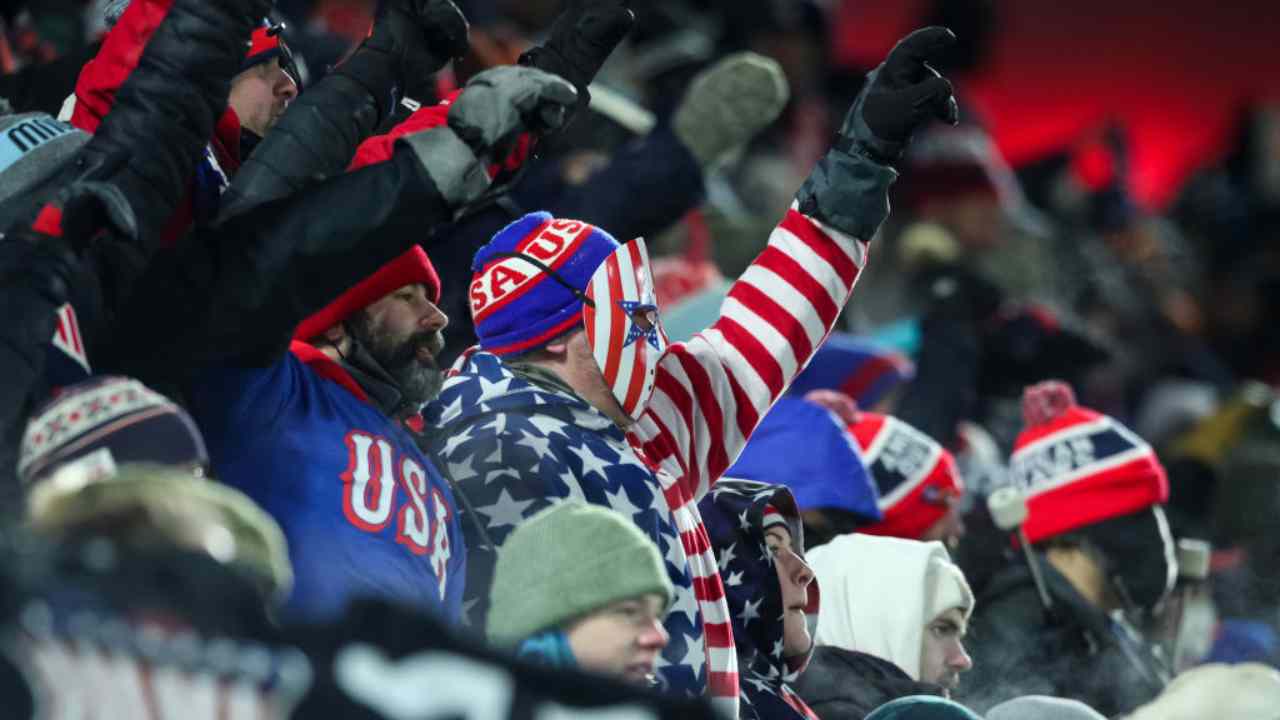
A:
916	477
1078	467
412	267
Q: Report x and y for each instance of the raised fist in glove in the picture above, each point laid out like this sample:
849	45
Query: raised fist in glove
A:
848	189
581	39
900	95
422	35
490	113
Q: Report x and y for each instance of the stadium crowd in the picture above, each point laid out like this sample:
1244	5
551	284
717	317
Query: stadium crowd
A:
586	359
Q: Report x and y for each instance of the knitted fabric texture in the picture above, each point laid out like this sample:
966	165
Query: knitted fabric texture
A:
104	422
915	476
565	562
1077	467
413	266
516	304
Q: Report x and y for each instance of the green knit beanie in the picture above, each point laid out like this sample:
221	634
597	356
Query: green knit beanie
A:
567	561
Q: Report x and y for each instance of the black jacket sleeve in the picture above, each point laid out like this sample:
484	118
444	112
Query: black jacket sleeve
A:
36	273
238	290
318	135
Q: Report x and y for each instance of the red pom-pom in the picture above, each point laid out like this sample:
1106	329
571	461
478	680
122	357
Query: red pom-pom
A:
1045	402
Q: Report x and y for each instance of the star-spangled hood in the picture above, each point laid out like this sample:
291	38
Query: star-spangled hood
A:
734	513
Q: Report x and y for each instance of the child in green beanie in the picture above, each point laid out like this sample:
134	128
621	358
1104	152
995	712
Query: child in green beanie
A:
578	585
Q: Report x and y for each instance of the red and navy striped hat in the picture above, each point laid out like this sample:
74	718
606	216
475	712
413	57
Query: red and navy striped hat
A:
529	281
1078	467
917	478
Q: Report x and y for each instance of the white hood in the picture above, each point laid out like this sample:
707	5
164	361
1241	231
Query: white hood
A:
876	592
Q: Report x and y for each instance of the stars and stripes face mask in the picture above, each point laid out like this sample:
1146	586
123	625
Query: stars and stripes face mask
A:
623	329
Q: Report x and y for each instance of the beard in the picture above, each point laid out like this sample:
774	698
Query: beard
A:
414	372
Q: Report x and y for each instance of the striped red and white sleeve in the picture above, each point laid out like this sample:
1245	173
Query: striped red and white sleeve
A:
711	390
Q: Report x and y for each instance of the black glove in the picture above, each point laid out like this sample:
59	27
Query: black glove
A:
424	34
848	189
490	113
900	95
418	36
581	39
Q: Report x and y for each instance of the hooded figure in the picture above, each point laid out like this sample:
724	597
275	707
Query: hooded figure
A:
891	625
756	534
1093	493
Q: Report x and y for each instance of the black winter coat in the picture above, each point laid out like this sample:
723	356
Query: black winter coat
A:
846	685
1078	653
142	154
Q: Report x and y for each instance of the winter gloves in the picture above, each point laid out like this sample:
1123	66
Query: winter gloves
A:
490	113
846	190
727	104
410	40
901	95
580	40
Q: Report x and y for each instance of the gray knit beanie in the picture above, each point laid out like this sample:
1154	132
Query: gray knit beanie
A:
1043	707
567	561
33	146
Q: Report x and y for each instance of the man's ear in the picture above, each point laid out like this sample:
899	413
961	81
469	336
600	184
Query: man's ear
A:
558	347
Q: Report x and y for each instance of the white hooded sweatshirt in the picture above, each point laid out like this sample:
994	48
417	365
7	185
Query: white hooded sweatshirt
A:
879	593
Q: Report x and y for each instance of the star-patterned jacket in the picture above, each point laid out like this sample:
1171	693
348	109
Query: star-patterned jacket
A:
513	446
734	514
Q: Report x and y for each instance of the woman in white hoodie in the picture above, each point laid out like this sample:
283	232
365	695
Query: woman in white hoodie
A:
893	616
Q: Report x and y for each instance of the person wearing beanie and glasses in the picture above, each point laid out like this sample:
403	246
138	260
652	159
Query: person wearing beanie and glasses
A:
575	391
1061	619
578	586
893	621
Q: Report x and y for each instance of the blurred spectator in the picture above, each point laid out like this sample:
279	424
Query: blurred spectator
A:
1244	692
1101	550
894	617
1042	707
580	586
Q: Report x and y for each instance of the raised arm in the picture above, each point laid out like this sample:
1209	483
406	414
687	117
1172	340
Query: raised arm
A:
239	292
711	391
318	135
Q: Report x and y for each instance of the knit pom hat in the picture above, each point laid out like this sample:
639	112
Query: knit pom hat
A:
412	267
916	477
566	561
103	422
1077	467
523	302
33	146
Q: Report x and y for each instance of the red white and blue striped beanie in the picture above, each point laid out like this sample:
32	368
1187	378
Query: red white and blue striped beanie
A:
917	478
1078	467
529	281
